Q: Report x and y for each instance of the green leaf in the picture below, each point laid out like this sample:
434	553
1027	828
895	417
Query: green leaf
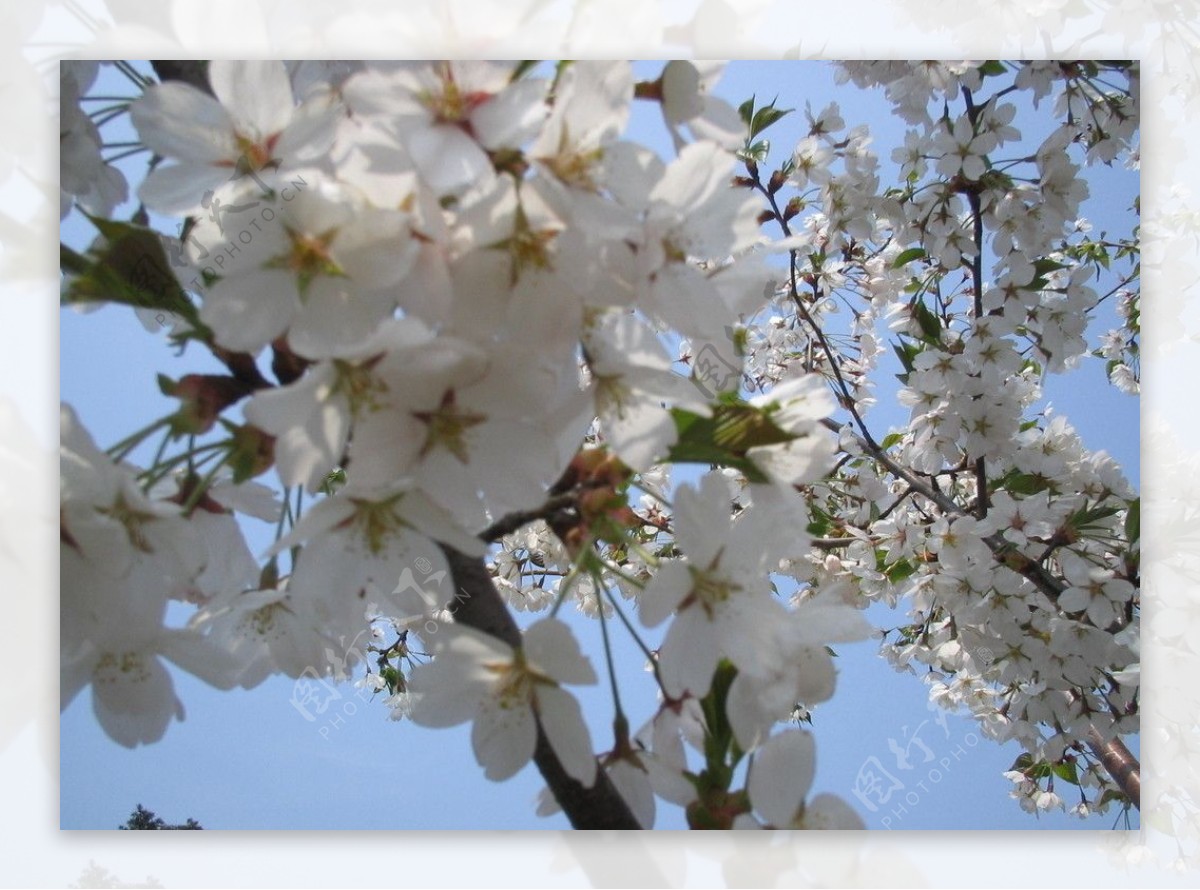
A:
1041	269
899	570
1040	770
742	427
734	428
1067	771
890	439
1022	763
1046	266
1110	795
1133	521
1089	517
913	253
906	352
746	111
992	68
820	523
758	151
131	268
1016	482
766	116
391	677
931	325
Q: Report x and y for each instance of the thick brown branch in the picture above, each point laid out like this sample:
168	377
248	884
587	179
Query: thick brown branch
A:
479	605
506	525
1120	764
190	71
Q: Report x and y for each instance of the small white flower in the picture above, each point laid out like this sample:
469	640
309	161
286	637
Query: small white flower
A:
508	693
719	594
780	778
252	125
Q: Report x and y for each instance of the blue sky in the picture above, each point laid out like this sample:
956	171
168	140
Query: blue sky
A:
250	760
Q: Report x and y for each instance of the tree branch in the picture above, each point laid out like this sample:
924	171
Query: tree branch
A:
190	71
1120	764
1113	755
506	525
481	608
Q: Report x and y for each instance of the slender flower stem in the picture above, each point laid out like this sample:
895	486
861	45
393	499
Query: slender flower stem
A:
608	656
121	450
646	650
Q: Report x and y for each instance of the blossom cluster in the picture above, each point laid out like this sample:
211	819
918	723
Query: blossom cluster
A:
1015	549
465	317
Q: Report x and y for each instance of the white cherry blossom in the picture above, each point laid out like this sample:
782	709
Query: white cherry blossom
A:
508	694
252	125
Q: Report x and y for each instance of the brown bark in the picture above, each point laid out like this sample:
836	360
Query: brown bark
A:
189	71
1120	764
480	606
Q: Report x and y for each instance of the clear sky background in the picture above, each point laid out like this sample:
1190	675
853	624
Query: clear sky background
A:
250	760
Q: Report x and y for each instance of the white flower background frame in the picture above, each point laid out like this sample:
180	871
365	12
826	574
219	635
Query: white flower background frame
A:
1162	34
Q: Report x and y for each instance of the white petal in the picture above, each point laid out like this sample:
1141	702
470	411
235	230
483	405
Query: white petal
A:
257	94
377	249
631	172
444	696
698	173
688	301
702	518
830	812
134	698
178	121
449	159
246	312
668	781
781	776
681	99
640	431
76	671
747	713
689	654
719	123
335	317
633	784
551	647
666	590
200	657
310	133
179	188
748	628
817	623
513	117
503	738
563	723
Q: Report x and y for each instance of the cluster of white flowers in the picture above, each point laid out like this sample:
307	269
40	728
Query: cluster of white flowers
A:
1023	594
86	179
467	286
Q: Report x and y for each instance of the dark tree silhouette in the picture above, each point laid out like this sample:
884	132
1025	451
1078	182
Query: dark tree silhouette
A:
143	819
